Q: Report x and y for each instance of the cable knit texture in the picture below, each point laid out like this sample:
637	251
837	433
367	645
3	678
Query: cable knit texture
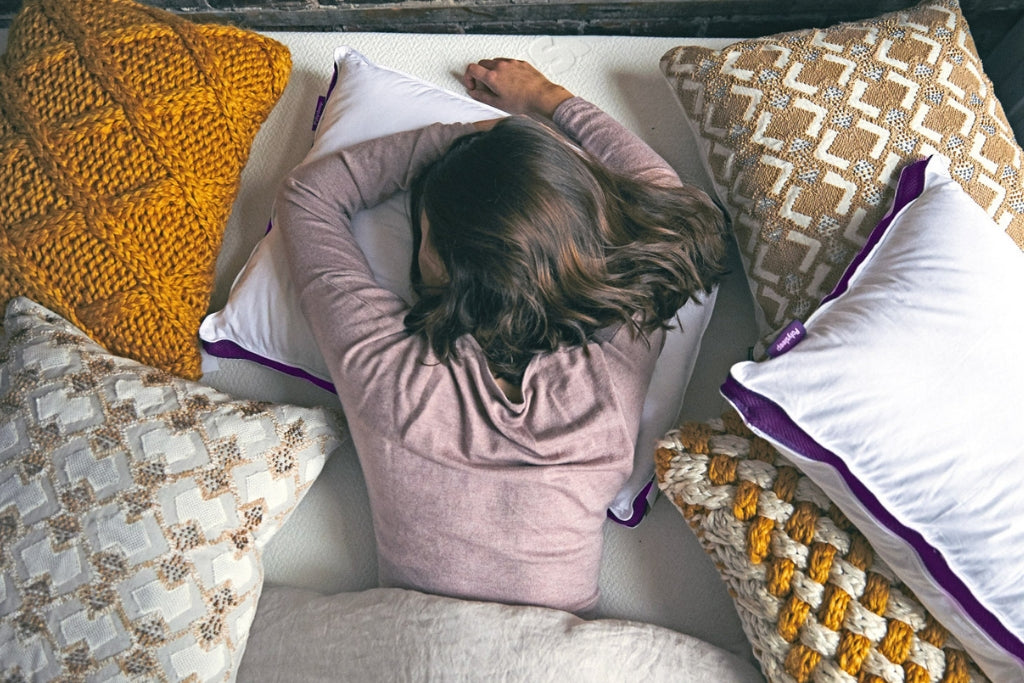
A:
123	133
815	600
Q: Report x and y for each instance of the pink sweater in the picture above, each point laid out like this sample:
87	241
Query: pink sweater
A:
472	495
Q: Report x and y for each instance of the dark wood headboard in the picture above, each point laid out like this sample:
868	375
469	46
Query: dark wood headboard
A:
989	19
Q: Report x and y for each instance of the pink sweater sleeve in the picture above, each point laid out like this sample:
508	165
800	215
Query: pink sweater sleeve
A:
354	320
611	143
316	204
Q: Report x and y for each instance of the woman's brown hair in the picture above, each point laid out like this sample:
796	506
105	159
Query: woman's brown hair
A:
544	247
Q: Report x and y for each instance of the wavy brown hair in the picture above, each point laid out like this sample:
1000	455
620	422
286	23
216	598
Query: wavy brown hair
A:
543	247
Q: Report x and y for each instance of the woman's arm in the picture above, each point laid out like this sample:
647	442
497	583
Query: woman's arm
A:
612	144
353	319
317	201
519	88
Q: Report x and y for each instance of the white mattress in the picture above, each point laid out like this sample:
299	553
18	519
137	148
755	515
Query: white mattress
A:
656	572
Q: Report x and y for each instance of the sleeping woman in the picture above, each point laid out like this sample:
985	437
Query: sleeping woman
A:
495	419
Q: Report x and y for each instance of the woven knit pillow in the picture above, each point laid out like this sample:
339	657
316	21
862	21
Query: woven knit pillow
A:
804	134
123	133
134	507
814	599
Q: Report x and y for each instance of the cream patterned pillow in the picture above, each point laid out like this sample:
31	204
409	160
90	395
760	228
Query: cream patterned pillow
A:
815	601
804	134
133	509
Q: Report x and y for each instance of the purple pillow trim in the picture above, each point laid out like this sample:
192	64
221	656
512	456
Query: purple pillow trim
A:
767	417
321	102
225	348
909	188
640	508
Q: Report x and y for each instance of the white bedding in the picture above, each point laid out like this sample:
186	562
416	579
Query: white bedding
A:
655	573
391	635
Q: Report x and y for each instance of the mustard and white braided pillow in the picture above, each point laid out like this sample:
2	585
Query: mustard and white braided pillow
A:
815	601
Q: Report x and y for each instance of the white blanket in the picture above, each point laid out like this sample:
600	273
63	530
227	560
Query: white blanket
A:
393	635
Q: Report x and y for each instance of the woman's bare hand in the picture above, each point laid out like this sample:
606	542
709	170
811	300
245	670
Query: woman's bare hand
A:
514	86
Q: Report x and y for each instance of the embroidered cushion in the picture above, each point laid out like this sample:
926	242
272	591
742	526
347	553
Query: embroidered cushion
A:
902	402
815	600
134	506
804	134
123	133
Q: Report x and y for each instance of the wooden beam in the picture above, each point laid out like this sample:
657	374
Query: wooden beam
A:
989	19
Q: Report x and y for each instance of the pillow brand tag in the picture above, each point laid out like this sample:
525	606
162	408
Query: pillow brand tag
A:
320	102
792	335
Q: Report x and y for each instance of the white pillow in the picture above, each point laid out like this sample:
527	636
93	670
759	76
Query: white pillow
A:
262	321
903	402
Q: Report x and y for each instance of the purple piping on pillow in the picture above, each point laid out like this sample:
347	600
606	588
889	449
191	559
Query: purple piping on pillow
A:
229	349
319	111
767	417
909	188
640	508
321	102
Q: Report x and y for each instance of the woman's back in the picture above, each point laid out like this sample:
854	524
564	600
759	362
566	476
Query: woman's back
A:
472	494
476	496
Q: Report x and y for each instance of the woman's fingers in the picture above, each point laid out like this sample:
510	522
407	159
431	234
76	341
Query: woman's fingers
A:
492	63
476	74
476	86
510	84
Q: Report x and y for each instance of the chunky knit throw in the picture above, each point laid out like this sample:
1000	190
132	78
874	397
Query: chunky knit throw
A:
814	599
123	133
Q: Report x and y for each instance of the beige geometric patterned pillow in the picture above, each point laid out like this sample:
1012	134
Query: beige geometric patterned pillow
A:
804	134
133	509
815	601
